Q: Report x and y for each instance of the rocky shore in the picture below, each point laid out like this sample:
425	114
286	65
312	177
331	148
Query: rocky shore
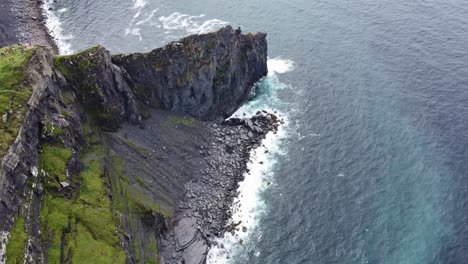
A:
24	22
205	211
198	166
129	150
154	123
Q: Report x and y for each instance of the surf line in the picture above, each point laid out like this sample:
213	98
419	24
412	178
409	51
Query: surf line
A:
249	207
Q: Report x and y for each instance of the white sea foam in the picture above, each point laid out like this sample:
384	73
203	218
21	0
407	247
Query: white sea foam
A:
279	66
249	206
174	26
148	18
135	32
55	27
190	24
139	4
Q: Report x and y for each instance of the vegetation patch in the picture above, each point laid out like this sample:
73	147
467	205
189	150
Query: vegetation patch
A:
138	148
14	92
175	121
126	194
75	65
86	224
49	129
130	200
53	160
17	242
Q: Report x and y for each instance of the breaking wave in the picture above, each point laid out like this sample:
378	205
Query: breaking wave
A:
54	25
249	207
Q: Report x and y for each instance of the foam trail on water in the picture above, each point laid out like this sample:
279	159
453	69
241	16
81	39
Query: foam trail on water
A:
249	206
173	26
190	24
138	4
55	27
177	25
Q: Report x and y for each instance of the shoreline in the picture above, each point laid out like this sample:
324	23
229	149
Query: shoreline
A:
204	213
25	22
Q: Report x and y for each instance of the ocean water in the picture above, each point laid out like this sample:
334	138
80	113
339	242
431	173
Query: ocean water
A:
372	164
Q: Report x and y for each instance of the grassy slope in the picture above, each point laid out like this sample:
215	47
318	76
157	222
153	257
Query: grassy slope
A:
17	242
86	223
14	92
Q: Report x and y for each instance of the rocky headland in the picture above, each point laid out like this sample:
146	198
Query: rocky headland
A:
126	158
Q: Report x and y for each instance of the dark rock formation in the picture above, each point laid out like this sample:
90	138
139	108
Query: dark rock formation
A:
207	76
20	163
82	167
102	87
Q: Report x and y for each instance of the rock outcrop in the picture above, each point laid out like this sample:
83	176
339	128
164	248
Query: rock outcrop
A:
102	87
99	170
207	76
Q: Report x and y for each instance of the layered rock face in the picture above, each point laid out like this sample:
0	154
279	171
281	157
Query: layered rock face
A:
102	87
98	170
207	76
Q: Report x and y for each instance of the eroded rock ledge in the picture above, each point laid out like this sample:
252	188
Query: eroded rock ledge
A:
101	172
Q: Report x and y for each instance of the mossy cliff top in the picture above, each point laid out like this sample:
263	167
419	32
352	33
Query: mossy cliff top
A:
15	91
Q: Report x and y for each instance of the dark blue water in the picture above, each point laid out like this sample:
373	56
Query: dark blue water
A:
375	166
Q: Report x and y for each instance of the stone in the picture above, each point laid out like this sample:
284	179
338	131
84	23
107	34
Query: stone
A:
64	184
184	231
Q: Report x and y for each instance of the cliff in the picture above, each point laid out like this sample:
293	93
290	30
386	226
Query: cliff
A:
95	169
207	76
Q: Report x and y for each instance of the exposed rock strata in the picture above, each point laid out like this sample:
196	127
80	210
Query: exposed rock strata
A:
208	76
171	182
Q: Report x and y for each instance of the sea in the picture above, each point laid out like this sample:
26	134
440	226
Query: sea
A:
371	165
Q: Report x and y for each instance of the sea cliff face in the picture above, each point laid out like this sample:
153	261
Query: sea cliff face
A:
207	76
95	169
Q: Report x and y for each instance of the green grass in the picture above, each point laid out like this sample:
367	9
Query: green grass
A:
180	120
138	148
51	130
17	242
53	160
131	201
75	65
86	223
14	92
152	248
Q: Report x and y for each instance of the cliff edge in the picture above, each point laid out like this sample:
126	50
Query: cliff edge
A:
125	158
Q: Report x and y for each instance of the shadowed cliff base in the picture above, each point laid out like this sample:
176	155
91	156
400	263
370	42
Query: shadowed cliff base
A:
126	158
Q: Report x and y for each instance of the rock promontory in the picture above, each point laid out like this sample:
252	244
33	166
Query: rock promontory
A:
125	158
